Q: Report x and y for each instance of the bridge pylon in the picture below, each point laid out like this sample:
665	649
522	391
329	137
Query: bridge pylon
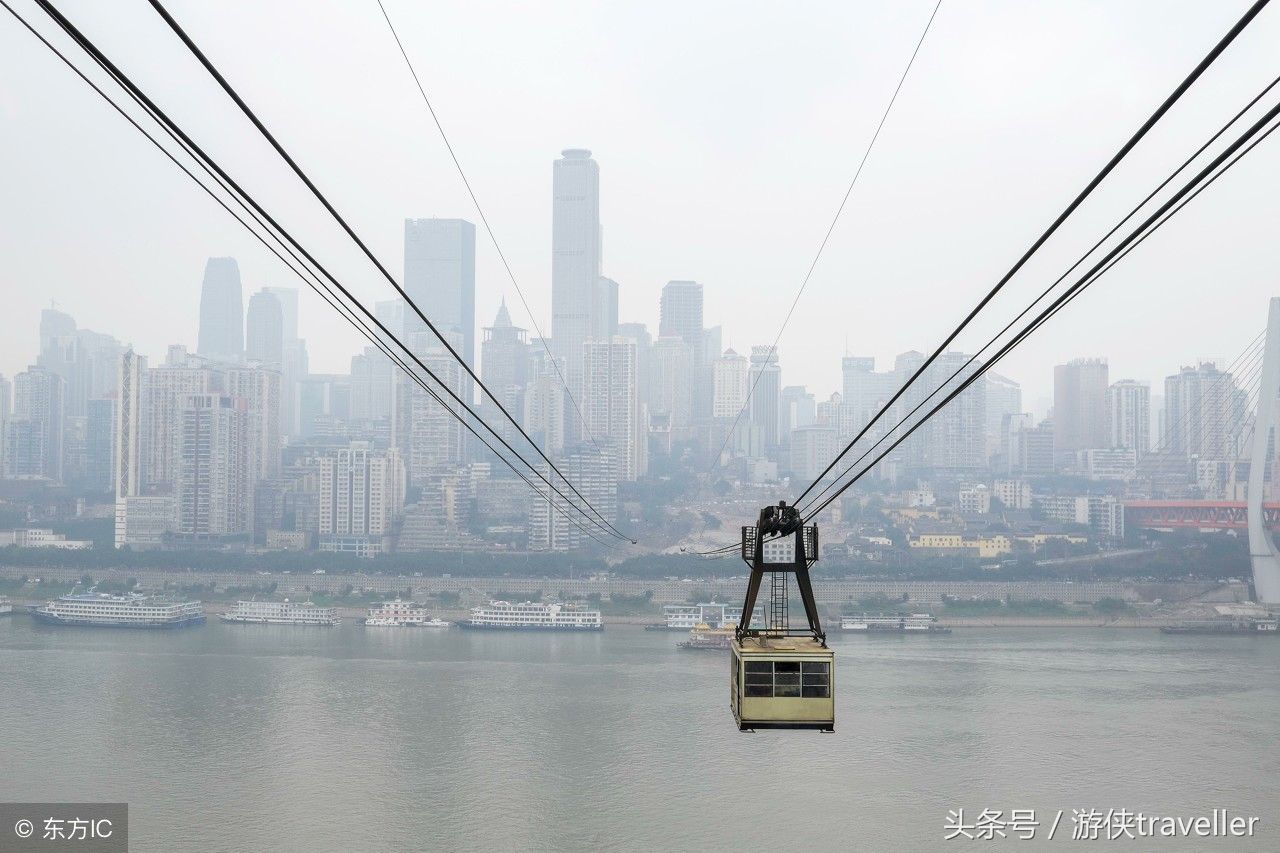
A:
1263	554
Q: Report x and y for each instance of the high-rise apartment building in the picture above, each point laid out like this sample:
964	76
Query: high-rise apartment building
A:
166	389
440	278
361	492
671	389
221	335
214	481
1080	405
259	388
575	263
35	431
1129	416
1204	408
428	435
731	374
127	435
610	408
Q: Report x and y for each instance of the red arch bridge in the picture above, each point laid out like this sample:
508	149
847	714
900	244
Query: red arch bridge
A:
1201	515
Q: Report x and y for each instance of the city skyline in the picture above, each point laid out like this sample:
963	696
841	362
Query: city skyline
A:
688	241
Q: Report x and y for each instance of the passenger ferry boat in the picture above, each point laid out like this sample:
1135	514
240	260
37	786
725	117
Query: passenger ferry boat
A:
532	616
894	623
281	613
402	614
704	638
134	610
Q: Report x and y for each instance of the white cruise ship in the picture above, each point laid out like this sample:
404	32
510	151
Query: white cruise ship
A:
686	617
895	623
134	610
531	616
402	614
281	613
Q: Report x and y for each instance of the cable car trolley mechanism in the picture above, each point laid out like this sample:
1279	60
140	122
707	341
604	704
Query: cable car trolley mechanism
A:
782	677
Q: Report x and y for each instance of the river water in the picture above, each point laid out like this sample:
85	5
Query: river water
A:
256	738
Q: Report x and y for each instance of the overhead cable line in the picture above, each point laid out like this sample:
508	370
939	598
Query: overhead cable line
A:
773	348
346	227
487	227
1106	170
1236	151
1084	257
229	184
344	311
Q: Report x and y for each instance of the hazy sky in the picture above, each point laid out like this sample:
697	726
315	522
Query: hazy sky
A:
726	134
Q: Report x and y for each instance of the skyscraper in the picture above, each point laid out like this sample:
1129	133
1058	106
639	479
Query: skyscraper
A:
214	484
575	263
1080	405
504	367
609	404
128	432
221	311
1129	415
288	299
440	278
671	389
264	330
680	316
34	433
1204	406
766	400
731	373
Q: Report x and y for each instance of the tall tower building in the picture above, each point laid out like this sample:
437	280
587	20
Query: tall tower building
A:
671	389
440	278
1129	415
1202	405
609	404
165	392
288	299
575	263
732	375
504	367
766	399
221	312
214	483
34	432
127	466
680	316
264	330
1080	405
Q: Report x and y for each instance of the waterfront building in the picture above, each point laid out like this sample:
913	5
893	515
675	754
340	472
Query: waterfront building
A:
609	405
34	433
214	482
1204	407
361	493
1129	416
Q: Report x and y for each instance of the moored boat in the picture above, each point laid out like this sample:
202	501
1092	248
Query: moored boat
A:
132	610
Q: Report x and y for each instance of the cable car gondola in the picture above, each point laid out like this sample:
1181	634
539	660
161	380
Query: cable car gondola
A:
780	677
